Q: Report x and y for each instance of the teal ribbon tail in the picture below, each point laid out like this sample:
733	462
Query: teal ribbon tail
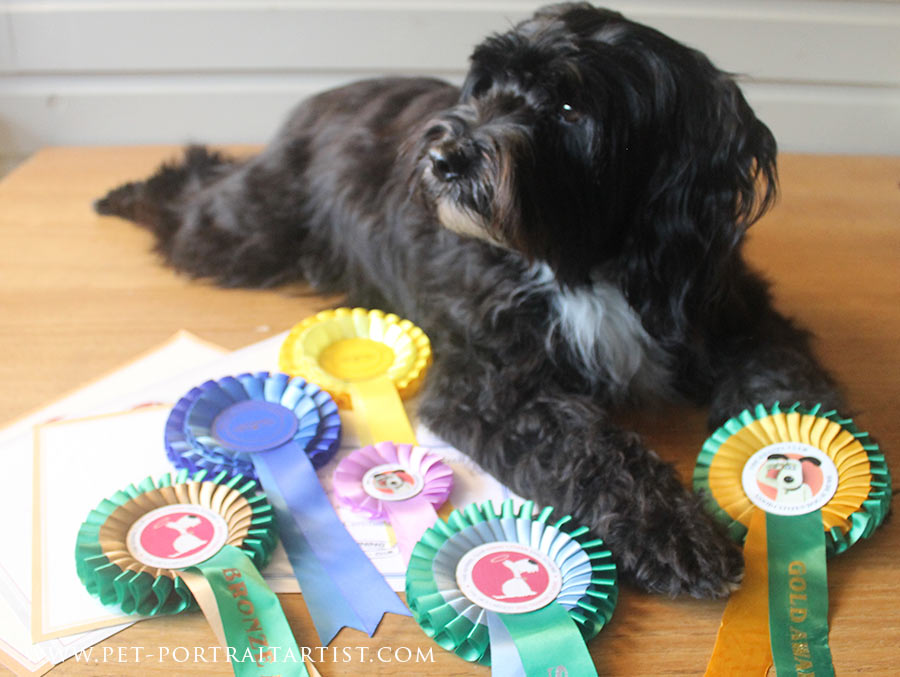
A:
798	595
259	638
549	642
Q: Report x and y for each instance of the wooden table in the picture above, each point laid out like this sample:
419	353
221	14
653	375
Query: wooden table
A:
80	294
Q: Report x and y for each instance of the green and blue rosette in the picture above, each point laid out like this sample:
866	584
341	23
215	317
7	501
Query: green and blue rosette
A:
796	486
166	546
521	593
280	430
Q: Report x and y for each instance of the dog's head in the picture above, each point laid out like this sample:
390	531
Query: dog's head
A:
585	140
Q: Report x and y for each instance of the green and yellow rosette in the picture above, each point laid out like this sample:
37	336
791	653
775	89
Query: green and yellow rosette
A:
796	486
167	546
367	361
515	591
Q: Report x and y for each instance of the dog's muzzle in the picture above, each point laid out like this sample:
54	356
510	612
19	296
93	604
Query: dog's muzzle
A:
468	162
452	165
452	159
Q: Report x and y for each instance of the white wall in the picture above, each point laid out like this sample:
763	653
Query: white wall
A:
824	74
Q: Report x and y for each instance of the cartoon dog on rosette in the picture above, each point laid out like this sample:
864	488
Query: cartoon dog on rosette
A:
785	475
393	481
516	586
185	541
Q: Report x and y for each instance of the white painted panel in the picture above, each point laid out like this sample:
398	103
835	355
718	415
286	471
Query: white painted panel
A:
6	46
811	48
830	119
824	74
113	111
799	40
249	109
254	38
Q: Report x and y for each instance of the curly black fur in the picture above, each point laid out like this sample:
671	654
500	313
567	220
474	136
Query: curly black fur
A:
566	228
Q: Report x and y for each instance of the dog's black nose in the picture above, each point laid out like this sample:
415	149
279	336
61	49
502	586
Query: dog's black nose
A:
449	161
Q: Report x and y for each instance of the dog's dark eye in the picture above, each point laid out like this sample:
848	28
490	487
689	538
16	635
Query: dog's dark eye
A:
568	114
482	84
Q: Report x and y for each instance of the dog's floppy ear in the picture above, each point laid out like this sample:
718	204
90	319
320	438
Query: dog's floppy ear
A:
738	154
713	175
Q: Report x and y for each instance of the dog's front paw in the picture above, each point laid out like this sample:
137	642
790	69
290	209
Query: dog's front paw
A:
687	555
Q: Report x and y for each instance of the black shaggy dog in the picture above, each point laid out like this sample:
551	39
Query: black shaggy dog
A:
566	228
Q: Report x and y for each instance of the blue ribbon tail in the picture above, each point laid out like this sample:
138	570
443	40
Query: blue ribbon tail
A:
341	586
505	660
326	605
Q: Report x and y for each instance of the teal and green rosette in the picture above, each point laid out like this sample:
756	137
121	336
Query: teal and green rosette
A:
796	486
166	546
515	591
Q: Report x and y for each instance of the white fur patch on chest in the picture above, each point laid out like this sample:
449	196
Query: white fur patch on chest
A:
606	338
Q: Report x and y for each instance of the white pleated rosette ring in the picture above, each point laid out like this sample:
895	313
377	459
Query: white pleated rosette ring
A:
401	483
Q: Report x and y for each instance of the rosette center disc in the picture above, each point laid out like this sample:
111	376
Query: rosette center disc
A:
789	478
254	425
177	536
392	482
508	577
357	359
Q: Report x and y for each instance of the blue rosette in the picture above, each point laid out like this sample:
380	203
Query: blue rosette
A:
280	430
189	438
521	593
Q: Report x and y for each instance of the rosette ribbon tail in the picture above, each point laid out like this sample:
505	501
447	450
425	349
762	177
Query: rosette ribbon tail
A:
780	613
505	659
410	519
382	409
328	563
742	643
548	642
798	594
260	641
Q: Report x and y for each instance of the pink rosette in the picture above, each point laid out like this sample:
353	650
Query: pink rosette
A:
401	483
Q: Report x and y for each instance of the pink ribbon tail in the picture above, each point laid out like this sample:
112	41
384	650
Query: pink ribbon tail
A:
410	519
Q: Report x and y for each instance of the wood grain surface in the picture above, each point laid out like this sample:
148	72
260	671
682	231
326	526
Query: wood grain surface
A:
81	294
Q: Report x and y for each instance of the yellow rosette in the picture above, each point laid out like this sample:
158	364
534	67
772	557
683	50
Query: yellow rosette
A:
796	486
367	360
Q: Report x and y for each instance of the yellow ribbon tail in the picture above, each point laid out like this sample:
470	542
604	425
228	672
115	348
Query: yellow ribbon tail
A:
382	410
742	644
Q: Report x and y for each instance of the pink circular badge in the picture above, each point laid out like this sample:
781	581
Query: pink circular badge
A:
508	577
177	536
